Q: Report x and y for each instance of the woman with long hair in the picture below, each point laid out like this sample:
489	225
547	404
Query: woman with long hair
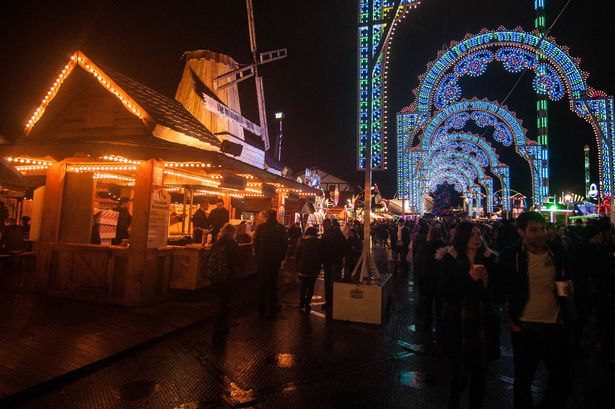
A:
468	329
222	269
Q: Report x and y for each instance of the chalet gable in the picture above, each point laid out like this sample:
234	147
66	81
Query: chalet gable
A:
119	103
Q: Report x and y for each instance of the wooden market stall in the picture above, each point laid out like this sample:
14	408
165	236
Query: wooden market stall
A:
99	135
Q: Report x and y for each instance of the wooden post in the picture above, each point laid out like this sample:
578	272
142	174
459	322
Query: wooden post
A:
50	226
143	275
227	203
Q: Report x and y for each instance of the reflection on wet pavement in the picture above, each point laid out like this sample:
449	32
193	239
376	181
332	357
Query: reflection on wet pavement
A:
238	397
416	379
282	360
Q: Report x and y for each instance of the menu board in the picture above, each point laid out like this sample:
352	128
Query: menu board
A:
158	225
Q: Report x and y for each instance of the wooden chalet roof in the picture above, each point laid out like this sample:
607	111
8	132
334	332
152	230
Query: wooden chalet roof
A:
151	107
164	111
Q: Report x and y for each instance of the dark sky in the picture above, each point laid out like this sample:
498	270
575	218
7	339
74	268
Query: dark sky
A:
315	86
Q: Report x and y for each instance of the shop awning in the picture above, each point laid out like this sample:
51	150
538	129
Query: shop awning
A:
160	150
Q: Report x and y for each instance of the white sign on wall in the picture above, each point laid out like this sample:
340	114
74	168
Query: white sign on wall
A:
158	225
220	109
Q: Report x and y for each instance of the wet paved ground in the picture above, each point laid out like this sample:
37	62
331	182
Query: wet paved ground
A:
302	360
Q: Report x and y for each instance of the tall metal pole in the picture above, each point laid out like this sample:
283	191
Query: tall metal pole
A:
260	94
542	112
367	211
367	199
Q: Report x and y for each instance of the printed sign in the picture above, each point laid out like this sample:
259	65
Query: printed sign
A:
157	176
220	109
158	226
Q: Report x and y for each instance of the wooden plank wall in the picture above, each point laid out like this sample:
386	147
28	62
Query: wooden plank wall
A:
84	110
77	212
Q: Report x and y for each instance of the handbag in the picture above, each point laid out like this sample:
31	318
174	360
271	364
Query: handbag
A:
217	265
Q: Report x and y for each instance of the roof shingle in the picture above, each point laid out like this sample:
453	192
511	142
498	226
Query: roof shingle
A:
164	110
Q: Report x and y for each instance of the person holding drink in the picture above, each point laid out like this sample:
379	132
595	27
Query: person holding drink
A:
535	285
469	331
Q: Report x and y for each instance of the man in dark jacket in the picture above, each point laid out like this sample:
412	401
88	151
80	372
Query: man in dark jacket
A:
334	245
200	222
529	271
270	249
218	217
124	220
309	261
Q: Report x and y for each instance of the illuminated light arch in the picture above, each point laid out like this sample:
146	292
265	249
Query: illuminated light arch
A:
555	75
461	181
507	129
456	182
516	50
478	147
452	171
459	160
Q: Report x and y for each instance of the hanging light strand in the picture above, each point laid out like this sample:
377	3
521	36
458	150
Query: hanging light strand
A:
202	180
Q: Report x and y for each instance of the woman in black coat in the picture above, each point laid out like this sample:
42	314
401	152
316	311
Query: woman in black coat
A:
223	270
309	261
469	326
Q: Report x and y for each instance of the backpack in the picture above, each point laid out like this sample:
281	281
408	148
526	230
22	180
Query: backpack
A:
217	264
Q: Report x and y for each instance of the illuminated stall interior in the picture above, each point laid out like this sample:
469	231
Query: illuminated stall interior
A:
98	135
189	183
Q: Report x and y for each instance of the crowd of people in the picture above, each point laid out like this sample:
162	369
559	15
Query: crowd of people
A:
543	280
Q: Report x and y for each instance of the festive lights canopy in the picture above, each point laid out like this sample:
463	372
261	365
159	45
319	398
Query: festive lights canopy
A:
469	164
499	123
477	147
555	74
462	181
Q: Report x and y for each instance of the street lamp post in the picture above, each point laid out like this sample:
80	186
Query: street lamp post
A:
279	116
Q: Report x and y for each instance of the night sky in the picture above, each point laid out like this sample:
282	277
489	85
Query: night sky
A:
315	86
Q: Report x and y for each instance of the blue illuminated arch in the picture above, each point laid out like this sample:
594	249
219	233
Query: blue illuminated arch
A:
457	160
483	152
503	126
555	75
516	50
455	172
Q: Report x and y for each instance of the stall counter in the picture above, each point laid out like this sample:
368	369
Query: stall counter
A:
190	265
